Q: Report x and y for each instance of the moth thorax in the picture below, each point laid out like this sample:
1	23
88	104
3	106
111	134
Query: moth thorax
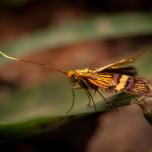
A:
78	72
82	71
71	73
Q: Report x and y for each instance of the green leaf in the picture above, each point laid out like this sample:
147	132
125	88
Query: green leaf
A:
30	111
26	110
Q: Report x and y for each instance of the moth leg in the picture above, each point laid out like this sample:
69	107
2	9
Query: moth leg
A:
86	87
92	101
94	93
73	101
89	104
90	97
77	87
106	101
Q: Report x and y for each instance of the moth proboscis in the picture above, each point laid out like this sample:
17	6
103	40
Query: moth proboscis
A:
117	77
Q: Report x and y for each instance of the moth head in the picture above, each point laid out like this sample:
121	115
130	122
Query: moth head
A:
71	73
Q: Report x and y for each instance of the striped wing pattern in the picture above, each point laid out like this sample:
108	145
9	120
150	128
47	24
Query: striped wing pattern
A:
122	62
104	81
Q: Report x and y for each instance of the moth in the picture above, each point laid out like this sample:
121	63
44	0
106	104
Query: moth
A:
115	77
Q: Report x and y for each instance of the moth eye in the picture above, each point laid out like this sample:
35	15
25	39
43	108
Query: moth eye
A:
75	78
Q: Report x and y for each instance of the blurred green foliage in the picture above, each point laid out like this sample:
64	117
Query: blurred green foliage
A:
101	27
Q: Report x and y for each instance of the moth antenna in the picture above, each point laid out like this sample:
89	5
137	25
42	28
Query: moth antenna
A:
32	62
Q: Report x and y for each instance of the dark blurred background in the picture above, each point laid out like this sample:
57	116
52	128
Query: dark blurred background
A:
66	35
